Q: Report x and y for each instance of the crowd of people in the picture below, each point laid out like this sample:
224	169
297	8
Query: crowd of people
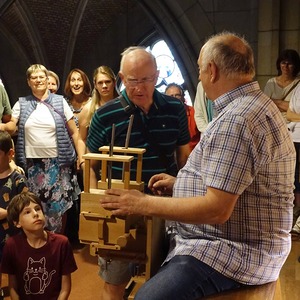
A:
215	172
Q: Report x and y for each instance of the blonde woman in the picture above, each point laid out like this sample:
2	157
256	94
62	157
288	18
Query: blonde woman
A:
104	90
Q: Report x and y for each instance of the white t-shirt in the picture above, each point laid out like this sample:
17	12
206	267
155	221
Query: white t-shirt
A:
40	130
274	91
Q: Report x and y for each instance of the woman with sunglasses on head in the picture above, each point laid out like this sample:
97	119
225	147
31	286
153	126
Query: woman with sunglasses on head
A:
280	88
77	91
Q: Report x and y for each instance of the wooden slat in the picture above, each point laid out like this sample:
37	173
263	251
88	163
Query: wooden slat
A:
119	184
106	157
123	150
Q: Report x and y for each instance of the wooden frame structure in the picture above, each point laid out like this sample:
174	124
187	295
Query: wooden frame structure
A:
133	238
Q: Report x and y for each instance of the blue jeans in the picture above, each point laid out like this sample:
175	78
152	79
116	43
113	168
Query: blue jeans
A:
185	277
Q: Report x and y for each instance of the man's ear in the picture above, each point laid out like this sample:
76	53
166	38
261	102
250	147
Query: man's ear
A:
121	75
213	69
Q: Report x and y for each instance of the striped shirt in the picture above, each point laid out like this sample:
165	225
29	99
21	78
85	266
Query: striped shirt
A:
160	131
246	150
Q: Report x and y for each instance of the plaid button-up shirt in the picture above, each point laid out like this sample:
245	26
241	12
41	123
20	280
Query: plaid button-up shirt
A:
246	150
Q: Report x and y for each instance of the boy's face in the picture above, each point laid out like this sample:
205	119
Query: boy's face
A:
31	218
5	158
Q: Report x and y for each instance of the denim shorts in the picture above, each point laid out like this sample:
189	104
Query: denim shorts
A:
114	271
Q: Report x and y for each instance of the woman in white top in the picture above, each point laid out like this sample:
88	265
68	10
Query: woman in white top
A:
279	88
46	127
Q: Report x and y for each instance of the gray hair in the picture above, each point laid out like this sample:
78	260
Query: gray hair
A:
132	49
35	68
231	53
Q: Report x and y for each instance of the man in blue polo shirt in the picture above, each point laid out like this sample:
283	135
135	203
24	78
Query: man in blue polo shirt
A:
159	125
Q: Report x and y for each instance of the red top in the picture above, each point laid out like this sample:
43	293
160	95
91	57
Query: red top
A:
194	132
38	271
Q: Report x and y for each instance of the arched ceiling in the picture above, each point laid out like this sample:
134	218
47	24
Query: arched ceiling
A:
64	34
58	33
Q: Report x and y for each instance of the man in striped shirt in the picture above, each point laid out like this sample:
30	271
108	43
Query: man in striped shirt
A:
232	207
159	125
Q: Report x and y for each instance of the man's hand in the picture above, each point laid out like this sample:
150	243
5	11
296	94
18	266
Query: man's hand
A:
161	184
124	202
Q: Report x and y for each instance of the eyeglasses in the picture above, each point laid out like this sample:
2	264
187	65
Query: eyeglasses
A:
36	78
135	82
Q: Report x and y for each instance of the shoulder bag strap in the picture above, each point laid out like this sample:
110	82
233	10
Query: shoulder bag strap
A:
291	89
130	108
61	115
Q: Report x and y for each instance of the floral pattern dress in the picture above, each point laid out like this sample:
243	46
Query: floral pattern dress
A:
50	181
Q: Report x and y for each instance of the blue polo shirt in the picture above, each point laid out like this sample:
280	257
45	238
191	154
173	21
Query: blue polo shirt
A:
160	131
